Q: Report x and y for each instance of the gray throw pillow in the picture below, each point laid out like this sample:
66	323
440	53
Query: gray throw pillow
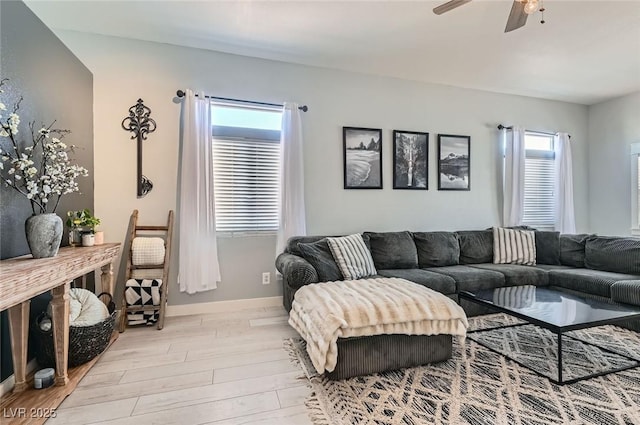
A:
572	250
294	241
393	250
476	246
613	254
547	247
319	255
437	249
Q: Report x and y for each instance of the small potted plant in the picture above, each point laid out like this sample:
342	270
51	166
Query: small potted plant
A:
89	222
82	228
74	223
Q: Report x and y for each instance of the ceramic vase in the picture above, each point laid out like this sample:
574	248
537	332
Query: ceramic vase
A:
44	233
88	239
99	237
75	237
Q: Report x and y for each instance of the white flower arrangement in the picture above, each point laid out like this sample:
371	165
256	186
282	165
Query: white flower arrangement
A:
41	171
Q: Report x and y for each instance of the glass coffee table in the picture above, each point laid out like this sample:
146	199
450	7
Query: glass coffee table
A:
558	312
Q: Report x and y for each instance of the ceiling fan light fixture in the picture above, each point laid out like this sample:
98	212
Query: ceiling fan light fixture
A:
531	6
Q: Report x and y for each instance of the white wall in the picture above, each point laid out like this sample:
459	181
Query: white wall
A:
613	126
125	70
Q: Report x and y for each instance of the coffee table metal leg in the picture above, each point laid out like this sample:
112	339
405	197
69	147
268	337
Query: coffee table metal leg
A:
560	358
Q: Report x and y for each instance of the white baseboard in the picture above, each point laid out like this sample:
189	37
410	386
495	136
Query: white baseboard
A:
222	306
7	384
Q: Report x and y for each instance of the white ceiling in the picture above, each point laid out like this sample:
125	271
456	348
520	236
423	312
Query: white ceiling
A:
587	51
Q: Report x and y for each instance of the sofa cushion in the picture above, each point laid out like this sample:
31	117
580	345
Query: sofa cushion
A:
438	282
514	246
547	247
471	278
319	255
626	291
549	267
516	275
613	254
393	250
352	256
476	246
437	249
572	250
595	282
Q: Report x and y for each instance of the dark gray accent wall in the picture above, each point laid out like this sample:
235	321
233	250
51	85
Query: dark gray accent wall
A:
55	86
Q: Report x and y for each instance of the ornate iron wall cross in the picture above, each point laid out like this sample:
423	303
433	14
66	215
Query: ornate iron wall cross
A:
140	124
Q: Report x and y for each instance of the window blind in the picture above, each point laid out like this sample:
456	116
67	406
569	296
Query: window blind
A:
246	178
538	191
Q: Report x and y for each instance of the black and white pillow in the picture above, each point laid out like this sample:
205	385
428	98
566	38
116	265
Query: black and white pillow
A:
514	246
352	256
143	293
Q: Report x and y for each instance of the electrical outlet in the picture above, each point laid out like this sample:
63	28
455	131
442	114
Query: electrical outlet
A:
266	278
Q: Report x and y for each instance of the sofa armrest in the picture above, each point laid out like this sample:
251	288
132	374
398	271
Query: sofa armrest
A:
296	271
626	292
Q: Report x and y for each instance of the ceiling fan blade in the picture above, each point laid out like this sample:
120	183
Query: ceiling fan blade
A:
517	17
450	5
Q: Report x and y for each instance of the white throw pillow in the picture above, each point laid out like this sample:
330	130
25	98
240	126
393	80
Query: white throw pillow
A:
352	256
514	246
147	251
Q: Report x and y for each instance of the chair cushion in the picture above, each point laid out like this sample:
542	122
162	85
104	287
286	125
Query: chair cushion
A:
613	254
476	246
437	249
437	282
595	282
516	275
572	250
352	256
319	255
547	248
471	278
514	246
393	250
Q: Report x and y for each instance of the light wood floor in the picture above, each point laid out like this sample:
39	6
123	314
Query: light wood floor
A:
222	369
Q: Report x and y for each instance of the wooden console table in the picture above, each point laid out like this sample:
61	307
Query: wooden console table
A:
23	278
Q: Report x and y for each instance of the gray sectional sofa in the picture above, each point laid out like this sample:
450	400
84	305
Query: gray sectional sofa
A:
599	267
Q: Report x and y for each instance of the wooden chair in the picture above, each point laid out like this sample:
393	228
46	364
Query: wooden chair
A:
166	232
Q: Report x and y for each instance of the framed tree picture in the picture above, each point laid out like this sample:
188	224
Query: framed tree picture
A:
362	150
454	162
410	160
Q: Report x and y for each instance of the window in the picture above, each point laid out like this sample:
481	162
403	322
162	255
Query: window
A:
635	189
539	181
246	161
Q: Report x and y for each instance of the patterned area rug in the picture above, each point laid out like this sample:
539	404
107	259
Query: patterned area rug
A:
478	386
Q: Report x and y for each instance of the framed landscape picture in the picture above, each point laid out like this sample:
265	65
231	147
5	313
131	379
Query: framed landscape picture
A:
362	150
454	162
410	160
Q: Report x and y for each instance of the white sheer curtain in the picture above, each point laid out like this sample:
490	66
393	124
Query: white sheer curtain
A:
563	193
199	269
291	203
513	176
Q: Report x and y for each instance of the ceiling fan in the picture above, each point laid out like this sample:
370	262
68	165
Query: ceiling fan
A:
520	11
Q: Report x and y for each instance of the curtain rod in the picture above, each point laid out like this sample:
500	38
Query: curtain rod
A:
303	108
502	127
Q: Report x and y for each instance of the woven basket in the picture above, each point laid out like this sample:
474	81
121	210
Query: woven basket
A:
85	342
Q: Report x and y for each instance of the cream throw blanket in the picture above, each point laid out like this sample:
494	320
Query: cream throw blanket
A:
323	312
